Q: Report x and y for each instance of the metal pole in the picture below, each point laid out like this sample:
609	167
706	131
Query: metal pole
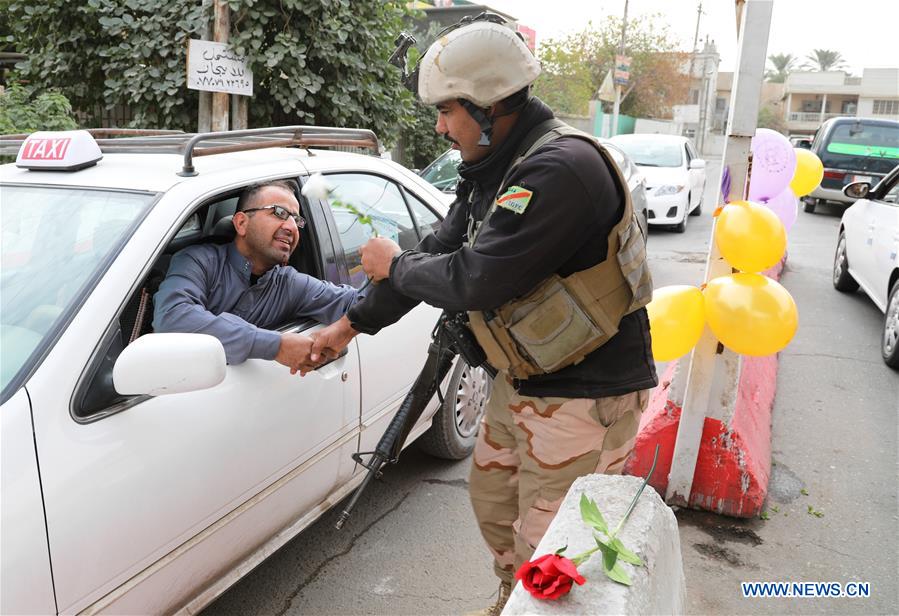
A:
713	370
220	101
204	112
613	130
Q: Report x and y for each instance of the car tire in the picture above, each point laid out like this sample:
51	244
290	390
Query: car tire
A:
698	209
889	345
842	279
682	225
454	428
808	205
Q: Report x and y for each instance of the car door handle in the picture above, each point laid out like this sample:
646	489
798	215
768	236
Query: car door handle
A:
343	353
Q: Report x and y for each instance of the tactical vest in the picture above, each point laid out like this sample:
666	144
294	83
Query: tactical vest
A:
563	320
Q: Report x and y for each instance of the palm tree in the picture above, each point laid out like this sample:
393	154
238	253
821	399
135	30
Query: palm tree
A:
825	60
783	64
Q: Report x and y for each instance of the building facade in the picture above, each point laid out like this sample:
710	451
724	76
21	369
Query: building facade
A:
812	97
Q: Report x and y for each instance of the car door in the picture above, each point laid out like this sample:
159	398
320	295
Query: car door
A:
885	213
154	498
393	358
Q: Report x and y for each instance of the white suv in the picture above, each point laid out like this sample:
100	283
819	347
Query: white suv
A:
157	501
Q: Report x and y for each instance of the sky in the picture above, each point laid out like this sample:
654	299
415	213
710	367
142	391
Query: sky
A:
797	26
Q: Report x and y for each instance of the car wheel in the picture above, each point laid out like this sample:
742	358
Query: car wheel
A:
454	428
698	209
889	346
682	225
809	205
842	279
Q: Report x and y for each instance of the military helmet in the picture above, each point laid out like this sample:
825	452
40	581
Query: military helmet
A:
482	62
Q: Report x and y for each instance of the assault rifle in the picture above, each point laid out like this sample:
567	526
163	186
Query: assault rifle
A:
449	338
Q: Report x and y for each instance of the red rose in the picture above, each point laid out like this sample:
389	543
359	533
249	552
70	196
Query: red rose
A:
548	577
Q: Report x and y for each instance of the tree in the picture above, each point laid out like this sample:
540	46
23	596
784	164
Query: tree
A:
783	64
421	143
825	60
22	112
769	118
574	67
313	62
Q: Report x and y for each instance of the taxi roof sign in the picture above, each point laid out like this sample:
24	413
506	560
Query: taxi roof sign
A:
68	150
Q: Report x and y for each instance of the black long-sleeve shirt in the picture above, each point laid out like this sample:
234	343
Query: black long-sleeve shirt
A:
564	229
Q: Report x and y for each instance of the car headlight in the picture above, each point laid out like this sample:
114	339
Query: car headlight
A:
668	189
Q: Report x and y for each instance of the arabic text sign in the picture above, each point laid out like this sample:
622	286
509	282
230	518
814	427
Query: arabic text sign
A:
214	67
622	69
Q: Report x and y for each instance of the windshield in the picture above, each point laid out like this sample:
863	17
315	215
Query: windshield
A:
53	241
859	146
443	173
652	153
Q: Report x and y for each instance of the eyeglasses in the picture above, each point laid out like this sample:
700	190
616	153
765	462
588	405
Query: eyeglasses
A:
280	212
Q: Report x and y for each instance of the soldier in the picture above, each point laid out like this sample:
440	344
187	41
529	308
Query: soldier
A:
542	249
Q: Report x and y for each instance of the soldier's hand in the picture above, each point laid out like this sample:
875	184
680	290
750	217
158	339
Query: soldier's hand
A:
328	343
294	353
377	253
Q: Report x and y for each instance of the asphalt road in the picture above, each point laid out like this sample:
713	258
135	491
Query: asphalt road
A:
412	546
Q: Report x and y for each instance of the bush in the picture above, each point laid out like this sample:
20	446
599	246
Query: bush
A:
22	112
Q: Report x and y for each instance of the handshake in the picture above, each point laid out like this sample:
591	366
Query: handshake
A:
304	354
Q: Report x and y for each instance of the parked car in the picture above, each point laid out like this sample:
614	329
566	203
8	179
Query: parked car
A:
443	173
852	150
157	495
675	176
866	255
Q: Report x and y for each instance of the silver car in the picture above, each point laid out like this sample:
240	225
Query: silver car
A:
443	173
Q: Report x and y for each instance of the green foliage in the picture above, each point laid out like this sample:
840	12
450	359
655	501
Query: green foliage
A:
22	112
825	60
318	63
575	66
783	64
769	118
421	143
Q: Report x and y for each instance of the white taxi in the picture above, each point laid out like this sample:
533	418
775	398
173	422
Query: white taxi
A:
140	474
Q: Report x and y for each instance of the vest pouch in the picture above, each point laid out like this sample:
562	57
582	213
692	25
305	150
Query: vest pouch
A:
554	330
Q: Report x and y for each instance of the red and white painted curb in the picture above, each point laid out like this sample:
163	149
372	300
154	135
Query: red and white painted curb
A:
734	462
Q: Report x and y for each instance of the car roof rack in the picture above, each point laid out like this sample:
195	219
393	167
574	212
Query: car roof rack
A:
144	141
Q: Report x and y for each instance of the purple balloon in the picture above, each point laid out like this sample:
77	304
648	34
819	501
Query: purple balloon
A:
773	164
786	206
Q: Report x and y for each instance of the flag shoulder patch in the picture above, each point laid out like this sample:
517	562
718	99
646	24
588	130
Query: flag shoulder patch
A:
515	199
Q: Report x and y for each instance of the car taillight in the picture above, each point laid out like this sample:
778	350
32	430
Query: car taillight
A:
834	175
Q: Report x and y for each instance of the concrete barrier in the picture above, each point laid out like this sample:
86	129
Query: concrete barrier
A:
658	587
734	462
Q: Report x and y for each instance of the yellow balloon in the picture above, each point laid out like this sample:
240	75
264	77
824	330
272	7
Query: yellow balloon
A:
750	236
676	320
750	314
809	172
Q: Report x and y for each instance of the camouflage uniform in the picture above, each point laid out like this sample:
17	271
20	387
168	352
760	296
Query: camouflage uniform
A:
528	453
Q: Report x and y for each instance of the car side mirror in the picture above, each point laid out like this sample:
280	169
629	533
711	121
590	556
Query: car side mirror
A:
160	364
697	163
805	144
857	190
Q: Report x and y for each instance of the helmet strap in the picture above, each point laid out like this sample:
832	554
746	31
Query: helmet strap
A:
479	116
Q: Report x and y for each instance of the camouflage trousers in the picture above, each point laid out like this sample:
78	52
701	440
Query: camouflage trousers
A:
528	453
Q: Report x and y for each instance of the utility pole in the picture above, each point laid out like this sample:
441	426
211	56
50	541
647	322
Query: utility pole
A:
220	29
708	388
613	130
204	112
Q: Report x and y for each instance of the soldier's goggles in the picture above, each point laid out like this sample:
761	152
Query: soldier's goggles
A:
280	212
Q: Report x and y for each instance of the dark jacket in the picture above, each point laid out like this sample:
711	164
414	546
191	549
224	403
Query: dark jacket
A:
563	229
